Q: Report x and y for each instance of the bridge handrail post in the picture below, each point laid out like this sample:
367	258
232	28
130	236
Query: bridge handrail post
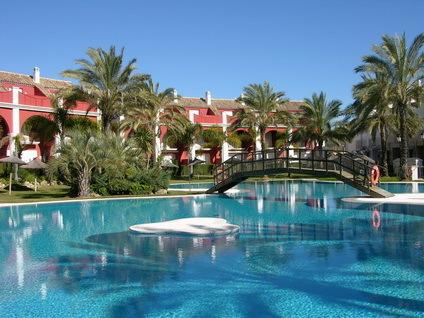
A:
275	157
326	160
299	156
287	158
313	160
340	163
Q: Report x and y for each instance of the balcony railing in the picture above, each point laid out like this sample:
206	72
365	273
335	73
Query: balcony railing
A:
6	97
208	119
34	100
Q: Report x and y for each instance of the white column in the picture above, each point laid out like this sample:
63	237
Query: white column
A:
291	152
15	95
157	138
191	114
225	145
16	122
258	140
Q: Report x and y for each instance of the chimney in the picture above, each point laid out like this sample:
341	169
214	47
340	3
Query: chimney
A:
175	96
242	101
208	98
36	76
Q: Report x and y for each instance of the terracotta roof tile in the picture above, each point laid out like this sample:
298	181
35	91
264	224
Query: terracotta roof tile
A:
23	79
227	103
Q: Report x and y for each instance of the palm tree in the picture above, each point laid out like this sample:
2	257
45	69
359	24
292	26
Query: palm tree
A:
319	123
403	67
149	108
144	140
183	135
41	129
282	139
81	123
62	102
213	137
370	111
77	161
104	80
263	107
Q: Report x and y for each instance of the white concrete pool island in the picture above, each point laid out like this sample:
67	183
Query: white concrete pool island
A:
397	198
188	226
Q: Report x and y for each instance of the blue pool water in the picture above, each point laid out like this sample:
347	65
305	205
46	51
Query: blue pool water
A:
403	187
392	187
301	252
193	185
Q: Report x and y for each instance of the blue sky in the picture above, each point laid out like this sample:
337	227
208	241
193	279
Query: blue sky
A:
299	46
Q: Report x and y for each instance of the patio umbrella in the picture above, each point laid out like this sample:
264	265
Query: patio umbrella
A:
15	161
35	164
168	164
192	163
195	161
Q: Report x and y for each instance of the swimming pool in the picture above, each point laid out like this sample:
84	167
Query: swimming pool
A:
393	187
191	185
408	187
300	252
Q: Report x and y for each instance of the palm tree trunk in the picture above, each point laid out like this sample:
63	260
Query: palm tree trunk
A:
106	123
383	145
84	183
403	141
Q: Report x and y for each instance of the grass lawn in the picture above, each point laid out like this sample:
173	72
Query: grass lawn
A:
46	193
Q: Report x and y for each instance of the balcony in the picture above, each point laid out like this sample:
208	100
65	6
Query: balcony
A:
34	100
6	97
208	119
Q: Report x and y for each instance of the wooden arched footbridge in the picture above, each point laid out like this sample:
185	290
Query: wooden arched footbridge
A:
345	166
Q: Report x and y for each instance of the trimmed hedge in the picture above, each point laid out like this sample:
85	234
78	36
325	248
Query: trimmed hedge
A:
201	169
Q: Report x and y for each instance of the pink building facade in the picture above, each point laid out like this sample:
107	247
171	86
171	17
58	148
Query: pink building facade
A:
216	113
24	96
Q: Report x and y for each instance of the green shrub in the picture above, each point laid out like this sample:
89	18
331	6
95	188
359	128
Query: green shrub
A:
201	169
29	175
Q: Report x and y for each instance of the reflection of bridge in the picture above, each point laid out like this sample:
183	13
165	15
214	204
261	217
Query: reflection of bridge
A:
344	166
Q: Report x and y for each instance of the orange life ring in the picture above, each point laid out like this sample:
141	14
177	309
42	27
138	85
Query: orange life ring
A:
375	175
376	219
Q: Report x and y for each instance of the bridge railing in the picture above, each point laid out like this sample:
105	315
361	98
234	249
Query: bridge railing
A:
296	159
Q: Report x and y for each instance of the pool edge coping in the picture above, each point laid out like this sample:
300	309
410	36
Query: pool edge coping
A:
5	205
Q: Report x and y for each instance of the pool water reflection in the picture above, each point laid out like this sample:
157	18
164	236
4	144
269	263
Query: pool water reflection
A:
301	251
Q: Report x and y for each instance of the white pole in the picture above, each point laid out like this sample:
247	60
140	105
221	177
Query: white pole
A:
10	183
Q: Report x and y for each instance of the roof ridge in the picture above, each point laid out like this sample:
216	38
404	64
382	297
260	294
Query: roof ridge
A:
41	77
202	98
